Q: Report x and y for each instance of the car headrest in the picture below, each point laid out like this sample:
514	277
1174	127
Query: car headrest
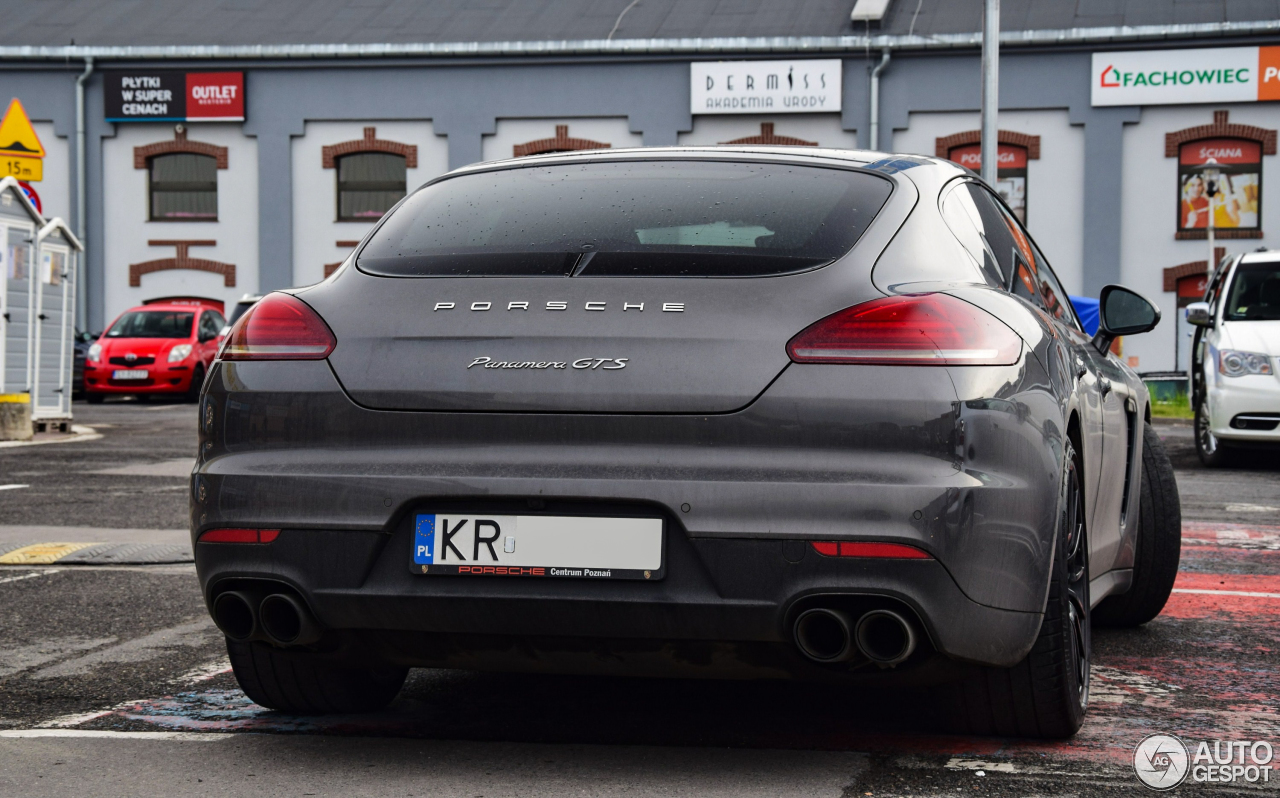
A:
1269	292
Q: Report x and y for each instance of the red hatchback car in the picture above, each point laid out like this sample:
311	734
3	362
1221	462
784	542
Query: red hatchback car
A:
163	347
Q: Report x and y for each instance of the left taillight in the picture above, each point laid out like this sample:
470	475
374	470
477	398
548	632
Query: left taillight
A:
279	327
910	330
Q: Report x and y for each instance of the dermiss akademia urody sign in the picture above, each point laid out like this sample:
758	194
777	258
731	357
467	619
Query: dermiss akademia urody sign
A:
1171	77
165	95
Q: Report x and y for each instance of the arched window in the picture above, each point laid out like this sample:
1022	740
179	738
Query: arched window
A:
184	187
561	143
1219	178
1220	181
369	183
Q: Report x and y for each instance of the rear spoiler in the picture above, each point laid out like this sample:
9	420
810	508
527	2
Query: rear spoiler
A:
186	300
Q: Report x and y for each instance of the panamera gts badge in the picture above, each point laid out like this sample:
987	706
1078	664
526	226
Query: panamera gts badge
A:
592	363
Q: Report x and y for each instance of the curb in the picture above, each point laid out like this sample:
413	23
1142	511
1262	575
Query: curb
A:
95	553
81	434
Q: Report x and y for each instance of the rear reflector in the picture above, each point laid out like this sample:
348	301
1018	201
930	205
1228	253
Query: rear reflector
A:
911	330
239	536
888	551
279	327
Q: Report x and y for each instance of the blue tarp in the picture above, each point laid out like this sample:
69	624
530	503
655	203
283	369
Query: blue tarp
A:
1087	310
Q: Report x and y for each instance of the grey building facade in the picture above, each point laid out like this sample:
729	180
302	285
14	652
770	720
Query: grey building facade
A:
441	85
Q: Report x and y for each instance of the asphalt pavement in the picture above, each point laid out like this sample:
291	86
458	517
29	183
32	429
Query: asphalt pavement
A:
114	682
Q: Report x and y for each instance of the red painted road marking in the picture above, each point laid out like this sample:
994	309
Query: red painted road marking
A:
1233	597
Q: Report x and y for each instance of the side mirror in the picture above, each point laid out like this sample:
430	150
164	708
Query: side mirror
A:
1200	314
1123	312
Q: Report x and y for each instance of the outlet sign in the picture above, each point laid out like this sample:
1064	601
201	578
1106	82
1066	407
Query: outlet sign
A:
165	95
1174	77
765	87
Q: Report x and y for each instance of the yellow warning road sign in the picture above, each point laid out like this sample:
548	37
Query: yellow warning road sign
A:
20	147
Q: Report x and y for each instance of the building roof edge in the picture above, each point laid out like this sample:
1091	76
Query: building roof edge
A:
792	45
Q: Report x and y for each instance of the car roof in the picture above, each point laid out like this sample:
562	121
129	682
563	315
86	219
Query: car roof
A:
880	161
1265	256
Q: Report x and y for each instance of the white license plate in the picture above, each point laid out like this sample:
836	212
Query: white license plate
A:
129	374
537	545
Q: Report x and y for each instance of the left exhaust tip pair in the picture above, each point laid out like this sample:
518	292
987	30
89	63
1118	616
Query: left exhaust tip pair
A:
827	636
279	618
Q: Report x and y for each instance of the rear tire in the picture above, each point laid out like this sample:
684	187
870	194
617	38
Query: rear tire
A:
302	684
94	397
1212	451
197	382
1159	544
1046	694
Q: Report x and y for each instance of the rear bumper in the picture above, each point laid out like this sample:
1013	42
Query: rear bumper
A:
965	465
736	598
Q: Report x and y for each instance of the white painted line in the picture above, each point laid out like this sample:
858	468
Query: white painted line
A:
1251	508
959	763
13	487
72	720
29	576
205	672
1247	593
113	735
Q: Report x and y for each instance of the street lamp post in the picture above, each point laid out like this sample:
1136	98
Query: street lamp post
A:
990	90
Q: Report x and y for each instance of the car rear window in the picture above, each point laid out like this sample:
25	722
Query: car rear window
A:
152	324
628	219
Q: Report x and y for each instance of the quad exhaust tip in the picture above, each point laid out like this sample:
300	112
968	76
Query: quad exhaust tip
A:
234	613
280	619
825	635
882	636
885	637
286	621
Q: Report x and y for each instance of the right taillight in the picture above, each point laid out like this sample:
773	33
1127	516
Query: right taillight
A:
279	327
869	549
910	330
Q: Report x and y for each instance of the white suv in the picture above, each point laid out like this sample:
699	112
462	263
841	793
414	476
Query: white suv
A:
1236	357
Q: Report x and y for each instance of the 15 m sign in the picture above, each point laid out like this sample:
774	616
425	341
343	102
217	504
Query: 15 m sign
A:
1169	77
163	95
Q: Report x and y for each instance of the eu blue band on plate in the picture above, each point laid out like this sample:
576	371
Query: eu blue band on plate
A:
424	539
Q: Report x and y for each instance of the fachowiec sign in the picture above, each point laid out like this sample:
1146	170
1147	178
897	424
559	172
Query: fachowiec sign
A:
1172	77
164	95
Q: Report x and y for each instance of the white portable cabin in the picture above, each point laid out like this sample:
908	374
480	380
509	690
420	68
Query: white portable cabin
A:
38	259
51	330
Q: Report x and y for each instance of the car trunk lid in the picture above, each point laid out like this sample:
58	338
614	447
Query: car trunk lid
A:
525	345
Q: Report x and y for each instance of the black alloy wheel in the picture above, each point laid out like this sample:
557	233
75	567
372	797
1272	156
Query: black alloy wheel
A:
1077	560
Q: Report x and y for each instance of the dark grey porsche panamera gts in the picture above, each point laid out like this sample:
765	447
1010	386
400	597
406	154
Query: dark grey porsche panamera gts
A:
733	412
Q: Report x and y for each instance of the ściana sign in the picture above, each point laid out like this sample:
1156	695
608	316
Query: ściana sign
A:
765	87
162	95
